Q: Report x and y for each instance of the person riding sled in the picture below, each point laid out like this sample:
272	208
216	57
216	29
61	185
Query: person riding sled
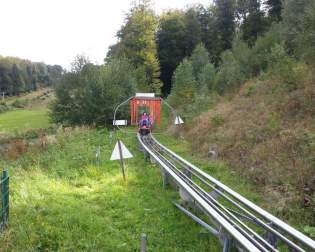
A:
144	120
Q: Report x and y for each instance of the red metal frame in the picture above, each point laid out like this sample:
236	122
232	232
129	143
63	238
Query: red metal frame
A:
153	104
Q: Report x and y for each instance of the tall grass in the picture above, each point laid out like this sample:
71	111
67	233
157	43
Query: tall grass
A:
62	201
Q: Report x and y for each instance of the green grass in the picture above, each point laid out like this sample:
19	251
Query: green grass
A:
216	169
23	119
62	201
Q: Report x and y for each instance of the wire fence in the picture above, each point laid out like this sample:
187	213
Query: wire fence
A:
4	200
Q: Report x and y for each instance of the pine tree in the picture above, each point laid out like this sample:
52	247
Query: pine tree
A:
184	85
199	58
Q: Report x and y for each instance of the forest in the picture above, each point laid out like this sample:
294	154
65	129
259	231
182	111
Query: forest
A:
193	54
19	76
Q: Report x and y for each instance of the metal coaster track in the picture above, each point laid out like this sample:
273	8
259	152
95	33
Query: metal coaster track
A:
238	222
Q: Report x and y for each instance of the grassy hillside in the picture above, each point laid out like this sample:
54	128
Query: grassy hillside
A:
32	100
25	112
266	133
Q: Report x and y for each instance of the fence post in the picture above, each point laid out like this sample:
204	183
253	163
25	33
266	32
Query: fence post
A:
4	189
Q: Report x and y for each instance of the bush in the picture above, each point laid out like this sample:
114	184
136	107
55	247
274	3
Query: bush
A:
3	107
217	120
203	101
19	103
284	68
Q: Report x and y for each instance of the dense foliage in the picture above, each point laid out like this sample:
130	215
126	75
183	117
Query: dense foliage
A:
137	43
265	43
88	94
18	75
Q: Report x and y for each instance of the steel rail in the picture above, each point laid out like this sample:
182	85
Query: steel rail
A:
228	215
303	239
252	216
238	236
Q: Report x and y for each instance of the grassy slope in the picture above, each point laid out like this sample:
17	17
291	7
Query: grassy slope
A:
60	200
35	99
33	115
266	134
23	119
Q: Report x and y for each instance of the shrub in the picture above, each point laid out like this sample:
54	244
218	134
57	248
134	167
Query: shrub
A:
3	107
273	123
217	120
284	68
203	100
229	74
19	103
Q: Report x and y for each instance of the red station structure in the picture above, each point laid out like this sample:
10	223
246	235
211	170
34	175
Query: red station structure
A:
152	104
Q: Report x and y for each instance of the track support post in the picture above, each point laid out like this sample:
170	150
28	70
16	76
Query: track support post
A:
271	238
165	178
185	196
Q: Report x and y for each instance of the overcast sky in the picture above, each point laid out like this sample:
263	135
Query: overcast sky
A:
55	31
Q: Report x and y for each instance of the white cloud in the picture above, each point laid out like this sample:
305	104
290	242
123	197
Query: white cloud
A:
55	31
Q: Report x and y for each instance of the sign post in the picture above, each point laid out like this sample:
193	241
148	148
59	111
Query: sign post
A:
178	120
121	152
122	164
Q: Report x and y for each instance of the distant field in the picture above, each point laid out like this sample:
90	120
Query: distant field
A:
23	119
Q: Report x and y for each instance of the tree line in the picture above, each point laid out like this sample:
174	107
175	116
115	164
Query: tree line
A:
275	41
193	54
159	43
18	75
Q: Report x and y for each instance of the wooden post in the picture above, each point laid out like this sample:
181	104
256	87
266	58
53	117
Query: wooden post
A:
143	243
98	155
122	164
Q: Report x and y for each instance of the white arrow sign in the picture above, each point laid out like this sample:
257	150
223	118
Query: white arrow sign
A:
178	120
124	152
